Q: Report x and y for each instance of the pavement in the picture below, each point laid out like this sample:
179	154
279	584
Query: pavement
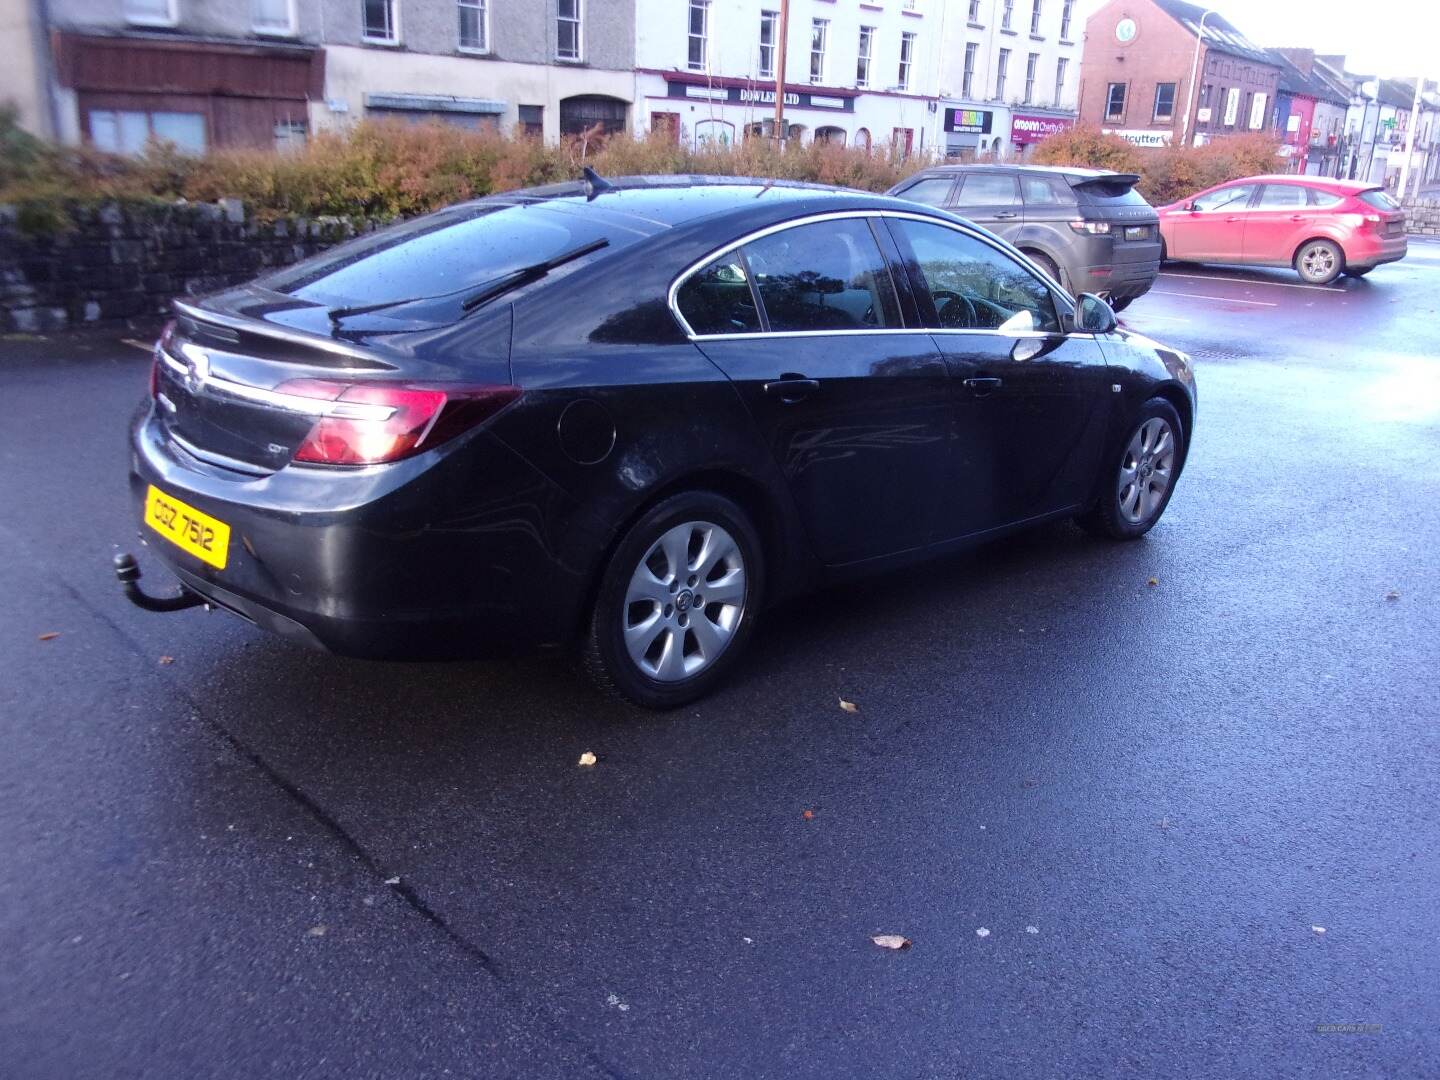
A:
1156	809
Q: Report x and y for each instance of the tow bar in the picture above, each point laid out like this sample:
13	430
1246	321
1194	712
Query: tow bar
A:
127	571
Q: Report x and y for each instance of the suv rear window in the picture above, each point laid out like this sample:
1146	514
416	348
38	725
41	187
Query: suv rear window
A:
460	248
1103	192
1379	200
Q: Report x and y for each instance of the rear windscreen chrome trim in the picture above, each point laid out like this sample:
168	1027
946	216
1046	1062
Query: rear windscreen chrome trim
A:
197	378
281	333
672	297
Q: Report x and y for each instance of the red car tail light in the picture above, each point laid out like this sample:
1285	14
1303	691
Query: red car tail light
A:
375	422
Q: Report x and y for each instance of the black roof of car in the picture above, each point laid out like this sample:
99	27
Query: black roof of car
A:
669	201
1072	172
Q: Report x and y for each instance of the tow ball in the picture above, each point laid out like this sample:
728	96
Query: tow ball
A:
127	572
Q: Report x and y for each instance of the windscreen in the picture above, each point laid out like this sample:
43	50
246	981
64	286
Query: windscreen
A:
461	248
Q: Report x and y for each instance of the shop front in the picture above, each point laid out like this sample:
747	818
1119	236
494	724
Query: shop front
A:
1029	129
975	133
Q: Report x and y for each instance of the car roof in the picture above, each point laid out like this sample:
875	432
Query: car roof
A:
654	203
1327	182
1054	170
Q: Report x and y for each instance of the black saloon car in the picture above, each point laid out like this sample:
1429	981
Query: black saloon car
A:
626	417
1089	229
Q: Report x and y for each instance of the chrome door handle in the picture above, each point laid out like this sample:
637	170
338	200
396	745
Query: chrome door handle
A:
984	385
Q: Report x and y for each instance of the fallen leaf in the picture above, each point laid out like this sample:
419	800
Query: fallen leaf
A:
315	931
849	706
50	635
393	880
587	759
1153	581
891	941
981	931
167	659
1393	594
808	815
1318	929
1032	929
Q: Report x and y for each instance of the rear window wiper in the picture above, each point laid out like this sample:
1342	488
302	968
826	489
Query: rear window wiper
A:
526	274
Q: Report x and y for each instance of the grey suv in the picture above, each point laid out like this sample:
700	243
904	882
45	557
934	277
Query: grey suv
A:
1088	229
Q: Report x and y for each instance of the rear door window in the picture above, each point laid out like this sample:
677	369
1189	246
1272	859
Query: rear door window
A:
1283	197
828	275
932	191
1045	191
975	286
716	299
1324	199
1235	197
991	190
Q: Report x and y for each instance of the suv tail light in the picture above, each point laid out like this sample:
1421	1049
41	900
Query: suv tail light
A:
372	423
1094	228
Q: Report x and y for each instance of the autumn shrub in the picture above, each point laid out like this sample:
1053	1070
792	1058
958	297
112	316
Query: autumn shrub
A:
1166	173
389	169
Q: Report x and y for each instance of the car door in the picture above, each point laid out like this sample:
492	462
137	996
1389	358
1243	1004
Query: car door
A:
1279	222
1213	230
991	199
1028	399
806	322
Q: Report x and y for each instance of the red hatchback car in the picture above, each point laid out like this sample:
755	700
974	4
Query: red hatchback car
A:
1321	227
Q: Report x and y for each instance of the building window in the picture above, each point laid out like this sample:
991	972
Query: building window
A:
698	34
1067	9
907	56
1205	92
1035	17
568	39
974	15
1115	101
532	120
151	12
582	113
967	78
862	55
1164	101
1007	12
819	34
474	25
290	135
667	124
1002	69
1246	110
862	139
1060	70
1031	63
769	23
381	22
273	17
127	131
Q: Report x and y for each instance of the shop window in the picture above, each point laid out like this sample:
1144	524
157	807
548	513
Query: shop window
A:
532	120
126	131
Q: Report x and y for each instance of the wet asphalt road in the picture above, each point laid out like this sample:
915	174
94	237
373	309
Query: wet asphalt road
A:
1151	796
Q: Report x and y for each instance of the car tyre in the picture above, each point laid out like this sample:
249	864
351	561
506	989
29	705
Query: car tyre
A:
1048	265
1138	476
1319	262
654	637
1357	271
1121	304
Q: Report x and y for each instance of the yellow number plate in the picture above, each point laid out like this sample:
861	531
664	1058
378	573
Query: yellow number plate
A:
187	528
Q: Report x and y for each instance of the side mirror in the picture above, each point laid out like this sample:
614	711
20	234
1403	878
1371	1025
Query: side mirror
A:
1093	315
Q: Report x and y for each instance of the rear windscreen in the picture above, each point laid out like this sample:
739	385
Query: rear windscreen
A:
1110	193
460	248
1379	200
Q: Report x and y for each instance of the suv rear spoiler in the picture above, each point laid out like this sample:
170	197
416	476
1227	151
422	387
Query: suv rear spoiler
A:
1120	179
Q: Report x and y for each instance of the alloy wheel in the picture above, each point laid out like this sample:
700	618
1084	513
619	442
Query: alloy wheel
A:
1147	470
1318	262
685	601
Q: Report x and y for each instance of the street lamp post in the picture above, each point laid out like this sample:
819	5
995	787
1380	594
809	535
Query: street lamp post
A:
1410	139
1194	72
783	47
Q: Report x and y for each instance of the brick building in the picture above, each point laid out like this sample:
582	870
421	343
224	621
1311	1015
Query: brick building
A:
1136	74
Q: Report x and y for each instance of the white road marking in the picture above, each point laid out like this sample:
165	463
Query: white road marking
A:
1222	299
1252	281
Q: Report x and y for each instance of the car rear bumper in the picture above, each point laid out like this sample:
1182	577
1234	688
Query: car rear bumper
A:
397	561
1373	251
1126	268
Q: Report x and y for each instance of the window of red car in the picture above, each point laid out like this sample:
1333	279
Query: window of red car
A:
1282	197
1226	198
1325	199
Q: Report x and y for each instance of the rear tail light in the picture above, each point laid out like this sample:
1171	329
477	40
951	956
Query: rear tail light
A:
1094	228
374	422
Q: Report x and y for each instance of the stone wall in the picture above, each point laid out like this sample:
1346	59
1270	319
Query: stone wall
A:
1422	216
119	261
